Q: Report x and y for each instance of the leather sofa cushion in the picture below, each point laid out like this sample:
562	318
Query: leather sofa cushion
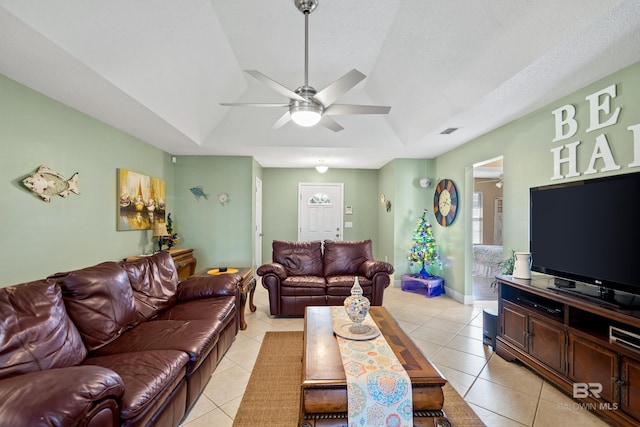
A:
56	397
347	281
100	302
342	257
213	309
35	331
341	285
154	281
195	287
195	337
304	282
303	286
303	292
148	376
299	258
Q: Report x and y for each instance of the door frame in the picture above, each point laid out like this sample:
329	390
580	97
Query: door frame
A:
258	225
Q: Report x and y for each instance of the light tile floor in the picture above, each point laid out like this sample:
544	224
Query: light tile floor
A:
449	333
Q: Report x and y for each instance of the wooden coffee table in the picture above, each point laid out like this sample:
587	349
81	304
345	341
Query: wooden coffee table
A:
247	287
324	385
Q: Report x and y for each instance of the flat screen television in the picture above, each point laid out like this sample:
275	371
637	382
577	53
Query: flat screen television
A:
588	233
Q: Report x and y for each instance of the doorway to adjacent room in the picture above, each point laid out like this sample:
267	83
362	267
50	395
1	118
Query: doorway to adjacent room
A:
488	181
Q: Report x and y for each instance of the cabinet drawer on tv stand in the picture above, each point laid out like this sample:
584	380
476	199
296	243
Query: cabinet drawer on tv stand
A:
540	307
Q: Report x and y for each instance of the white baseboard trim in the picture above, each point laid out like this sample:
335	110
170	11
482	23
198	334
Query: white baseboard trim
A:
464	299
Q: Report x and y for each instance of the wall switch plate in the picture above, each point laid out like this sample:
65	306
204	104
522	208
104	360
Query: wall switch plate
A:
348	225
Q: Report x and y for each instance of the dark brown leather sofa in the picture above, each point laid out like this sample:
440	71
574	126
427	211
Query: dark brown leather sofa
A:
304	274
115	344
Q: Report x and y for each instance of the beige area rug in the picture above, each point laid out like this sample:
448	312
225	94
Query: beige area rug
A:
272	397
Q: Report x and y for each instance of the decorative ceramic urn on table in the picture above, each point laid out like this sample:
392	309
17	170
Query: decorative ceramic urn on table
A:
357	307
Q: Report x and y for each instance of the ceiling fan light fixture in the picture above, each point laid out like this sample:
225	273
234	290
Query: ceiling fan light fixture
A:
306	106
306	116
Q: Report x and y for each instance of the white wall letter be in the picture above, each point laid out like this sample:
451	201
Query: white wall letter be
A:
568	120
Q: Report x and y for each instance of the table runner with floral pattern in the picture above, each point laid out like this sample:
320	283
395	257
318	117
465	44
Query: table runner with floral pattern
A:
378	387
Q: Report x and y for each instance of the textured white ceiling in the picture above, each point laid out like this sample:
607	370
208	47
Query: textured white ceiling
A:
159	69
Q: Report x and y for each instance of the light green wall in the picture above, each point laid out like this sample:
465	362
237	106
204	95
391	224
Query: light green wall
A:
280	203
385	221
399	181
411	200
38	238
255	173
528	162
220	235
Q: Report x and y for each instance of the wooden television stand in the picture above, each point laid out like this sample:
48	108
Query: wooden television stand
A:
566	339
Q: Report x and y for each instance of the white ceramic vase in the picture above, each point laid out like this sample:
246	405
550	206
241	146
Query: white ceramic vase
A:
357	307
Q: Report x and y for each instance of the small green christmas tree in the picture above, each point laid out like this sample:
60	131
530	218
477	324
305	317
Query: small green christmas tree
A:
424	251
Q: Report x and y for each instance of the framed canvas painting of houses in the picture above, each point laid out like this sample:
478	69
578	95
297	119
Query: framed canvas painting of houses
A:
141	200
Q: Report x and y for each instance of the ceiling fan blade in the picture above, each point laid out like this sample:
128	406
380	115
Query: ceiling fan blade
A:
274	85
340	109
247	104
335	90
329	123
283	120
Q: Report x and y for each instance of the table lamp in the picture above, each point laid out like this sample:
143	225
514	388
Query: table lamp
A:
160	231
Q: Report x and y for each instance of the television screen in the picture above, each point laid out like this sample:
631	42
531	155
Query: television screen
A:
588	231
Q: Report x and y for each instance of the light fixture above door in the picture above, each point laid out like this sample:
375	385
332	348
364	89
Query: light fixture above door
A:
322	167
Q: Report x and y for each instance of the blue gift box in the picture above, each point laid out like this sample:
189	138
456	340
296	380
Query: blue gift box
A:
429	287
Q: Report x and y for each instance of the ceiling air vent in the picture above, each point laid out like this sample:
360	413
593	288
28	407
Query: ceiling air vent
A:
448	131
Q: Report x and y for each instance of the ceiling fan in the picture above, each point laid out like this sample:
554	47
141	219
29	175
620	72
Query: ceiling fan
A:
307	107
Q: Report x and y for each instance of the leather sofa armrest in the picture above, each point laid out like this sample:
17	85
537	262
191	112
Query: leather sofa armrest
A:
195	287
273	268
60	397
371	266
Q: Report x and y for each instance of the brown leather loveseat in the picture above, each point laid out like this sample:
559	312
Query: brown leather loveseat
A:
303	274
115	344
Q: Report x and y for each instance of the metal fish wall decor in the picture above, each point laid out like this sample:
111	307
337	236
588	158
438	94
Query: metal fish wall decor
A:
45	182
199	192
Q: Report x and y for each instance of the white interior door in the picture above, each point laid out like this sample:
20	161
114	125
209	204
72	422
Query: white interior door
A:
258	254
320	211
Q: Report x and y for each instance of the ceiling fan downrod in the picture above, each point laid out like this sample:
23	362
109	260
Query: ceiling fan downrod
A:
306	7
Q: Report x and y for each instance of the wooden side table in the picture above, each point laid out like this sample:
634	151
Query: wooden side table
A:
247	287
183	259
